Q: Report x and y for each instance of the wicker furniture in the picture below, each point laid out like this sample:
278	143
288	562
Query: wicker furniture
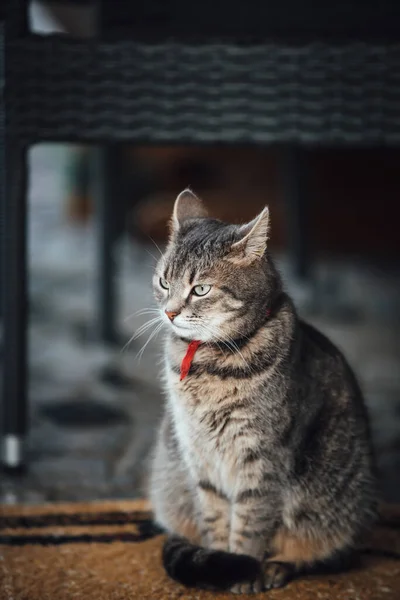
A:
174	77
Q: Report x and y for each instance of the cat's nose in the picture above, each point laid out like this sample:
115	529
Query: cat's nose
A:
171	314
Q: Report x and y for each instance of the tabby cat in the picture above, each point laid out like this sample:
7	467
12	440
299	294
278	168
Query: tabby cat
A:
263	465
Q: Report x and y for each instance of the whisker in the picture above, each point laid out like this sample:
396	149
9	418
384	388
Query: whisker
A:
157	246
152	255
240	334
146	326
236	347
209	330
154	333
230	344
142	311
140	331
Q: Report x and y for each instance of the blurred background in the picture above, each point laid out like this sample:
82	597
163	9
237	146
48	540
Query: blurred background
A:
94	406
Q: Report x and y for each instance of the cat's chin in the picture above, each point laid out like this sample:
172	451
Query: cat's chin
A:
185	332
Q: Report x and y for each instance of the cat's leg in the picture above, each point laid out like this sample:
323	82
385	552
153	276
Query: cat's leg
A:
253	524
277	574
308	545
214	509
170	491
325	518
299	551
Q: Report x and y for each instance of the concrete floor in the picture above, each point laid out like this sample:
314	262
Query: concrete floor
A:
94	409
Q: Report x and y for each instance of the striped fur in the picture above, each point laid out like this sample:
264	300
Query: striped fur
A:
264	450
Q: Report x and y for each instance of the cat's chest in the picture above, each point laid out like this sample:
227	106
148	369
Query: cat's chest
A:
210	422
210	453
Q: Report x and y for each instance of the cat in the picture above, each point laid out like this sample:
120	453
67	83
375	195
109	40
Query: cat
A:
263	466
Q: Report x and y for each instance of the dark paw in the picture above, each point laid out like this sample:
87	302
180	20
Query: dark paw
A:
277	575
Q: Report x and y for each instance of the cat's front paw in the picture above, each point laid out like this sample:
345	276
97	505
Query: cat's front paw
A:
253	587
277	575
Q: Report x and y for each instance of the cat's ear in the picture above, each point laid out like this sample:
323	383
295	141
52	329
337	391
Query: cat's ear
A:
254	237
187	206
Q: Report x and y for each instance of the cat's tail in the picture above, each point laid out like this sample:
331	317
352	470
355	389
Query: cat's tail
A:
195	566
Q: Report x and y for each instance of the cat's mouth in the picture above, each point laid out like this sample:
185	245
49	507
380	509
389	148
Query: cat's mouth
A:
185	330
179	327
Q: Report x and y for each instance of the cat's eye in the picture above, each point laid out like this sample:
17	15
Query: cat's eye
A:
164	283
201	290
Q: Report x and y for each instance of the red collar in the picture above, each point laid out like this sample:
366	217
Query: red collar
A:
189	356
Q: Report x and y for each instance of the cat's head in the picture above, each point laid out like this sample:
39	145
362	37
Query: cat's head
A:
215	281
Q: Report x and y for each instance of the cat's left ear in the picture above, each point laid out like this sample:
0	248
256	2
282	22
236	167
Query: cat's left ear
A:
187	206
254	237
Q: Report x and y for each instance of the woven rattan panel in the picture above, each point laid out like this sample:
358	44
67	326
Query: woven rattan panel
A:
58	89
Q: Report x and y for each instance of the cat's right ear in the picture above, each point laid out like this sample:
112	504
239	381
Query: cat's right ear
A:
187	206
253	242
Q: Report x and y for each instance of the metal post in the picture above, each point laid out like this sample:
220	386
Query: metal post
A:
2	151
13	258
105	169
296	195
14	303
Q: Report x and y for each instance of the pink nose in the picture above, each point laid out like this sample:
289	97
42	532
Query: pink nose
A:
171	314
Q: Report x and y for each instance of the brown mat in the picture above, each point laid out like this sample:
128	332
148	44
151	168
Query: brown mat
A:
111	551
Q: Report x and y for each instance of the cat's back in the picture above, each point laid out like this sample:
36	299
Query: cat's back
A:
317	344
324	364
333	407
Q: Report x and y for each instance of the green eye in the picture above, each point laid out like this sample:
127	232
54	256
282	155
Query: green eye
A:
164	283
201	290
